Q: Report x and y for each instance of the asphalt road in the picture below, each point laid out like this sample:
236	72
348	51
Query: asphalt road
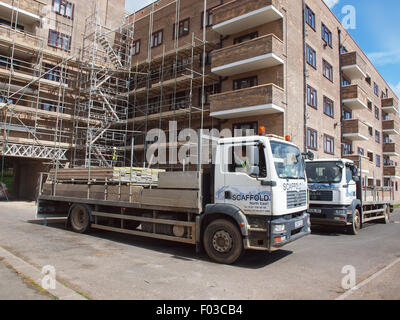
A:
104	265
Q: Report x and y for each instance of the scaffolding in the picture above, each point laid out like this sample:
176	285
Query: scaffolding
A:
104	83
172	86
37	95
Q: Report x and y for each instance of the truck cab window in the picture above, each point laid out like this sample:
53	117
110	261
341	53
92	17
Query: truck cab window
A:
349	175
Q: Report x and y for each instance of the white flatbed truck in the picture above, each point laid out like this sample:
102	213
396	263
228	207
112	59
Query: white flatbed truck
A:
338	196
223	208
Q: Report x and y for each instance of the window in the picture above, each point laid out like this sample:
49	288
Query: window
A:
346	148
7	24
246	37
245	83
376	89
377	113
239	160
208	92
346	114
345	82
311	57
51	73
312	97
59	40
328	107
312	139
368	80
360	151
183	28
371	156
327	70
378	161
136	47
245	129
64	8
343	49
329	144
156	39
371	131
326	35
181	99
209	18
208	59
377	136
370	105
310	17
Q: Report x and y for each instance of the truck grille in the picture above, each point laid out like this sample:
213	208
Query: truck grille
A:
296	199
321	195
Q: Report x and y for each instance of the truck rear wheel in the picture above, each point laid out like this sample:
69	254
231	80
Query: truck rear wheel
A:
356	225
79	218
223	241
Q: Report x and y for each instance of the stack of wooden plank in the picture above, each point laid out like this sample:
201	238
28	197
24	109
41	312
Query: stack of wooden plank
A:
138	176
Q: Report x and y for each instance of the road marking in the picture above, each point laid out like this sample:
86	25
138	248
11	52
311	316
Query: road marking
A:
31	272
366	281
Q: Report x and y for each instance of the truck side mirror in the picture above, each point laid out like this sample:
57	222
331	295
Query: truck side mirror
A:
308	155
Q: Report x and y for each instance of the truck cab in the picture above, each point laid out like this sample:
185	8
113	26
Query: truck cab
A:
270	190
338	198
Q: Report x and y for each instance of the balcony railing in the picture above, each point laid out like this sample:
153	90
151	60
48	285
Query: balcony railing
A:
237	16
391	127
389	105
354	97
355	130
391	171
390	149
259	100
31	10
256	54
353	66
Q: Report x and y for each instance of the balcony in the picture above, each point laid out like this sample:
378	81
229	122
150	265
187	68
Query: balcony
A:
390	149
237	16
354	97
355	130
353	66
390	127
260	100
391	172
389	106
29	11
256	54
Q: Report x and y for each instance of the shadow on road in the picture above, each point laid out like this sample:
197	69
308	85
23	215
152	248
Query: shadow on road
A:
178	251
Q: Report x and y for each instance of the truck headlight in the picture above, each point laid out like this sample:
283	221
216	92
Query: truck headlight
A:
279	228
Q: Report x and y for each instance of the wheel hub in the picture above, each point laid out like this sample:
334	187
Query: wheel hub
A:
222	241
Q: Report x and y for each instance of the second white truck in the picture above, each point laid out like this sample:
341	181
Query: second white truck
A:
338	196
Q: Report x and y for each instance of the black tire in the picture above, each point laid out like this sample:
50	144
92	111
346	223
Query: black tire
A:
223	242
354	229
79	218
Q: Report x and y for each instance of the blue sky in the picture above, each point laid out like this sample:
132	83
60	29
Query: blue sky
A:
377	32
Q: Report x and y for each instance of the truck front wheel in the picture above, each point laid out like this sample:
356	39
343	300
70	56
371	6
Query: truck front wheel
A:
356	225
79	218
223	241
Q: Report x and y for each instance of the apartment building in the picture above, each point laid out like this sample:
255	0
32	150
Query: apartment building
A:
287	65
43	70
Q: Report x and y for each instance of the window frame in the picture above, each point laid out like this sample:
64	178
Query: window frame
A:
64	3
332	140
136	47
253	78
181	29
310	91
310	13
326	31
60	37
155	35
327	100
309	50
312	133
327	66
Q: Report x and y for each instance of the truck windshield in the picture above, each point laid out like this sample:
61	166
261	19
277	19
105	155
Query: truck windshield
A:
323	172
288	161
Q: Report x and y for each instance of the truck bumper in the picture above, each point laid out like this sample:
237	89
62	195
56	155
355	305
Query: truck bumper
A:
294	229
330	216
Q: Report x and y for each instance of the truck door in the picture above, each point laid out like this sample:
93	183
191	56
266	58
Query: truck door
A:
351	192
245	168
